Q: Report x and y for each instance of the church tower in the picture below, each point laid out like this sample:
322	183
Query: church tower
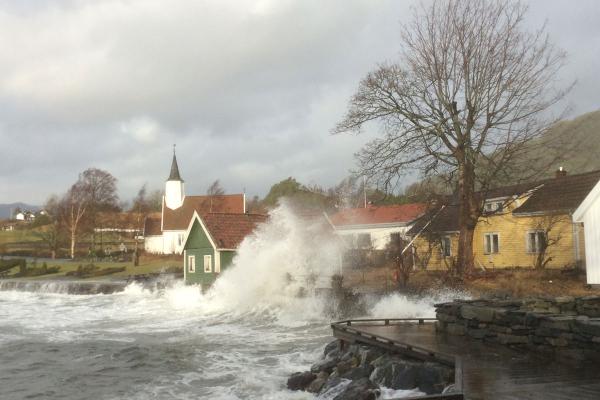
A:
174	193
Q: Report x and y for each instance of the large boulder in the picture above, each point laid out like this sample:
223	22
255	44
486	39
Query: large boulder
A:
361	389
363	371
331	346
300	380
327	365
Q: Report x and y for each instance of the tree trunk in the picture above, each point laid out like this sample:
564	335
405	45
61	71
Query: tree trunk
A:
73	238
467	219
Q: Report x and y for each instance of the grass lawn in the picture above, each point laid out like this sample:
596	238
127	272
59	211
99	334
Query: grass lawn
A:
19	236
148	265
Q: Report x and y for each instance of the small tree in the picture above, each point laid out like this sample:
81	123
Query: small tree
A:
545	235
468	98
215	189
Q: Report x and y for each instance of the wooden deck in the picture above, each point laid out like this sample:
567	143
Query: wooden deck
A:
483	370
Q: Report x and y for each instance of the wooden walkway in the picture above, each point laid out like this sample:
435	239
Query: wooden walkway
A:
483	370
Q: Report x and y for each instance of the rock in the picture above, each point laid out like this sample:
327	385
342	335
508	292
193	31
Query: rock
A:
512	339
362	389
316	385
363	371
331	346
395	373
369	354
479	333
456	329
344	366
330	383
557	323
481	314
300	380
433	378
327	365
587	326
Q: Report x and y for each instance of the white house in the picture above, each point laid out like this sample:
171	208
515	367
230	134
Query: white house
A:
588	212
164	232
373	227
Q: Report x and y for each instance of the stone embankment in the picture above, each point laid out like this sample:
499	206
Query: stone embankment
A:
358	371
564	326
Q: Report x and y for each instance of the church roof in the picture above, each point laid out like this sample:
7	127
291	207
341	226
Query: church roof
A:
178	219
174	175
152	225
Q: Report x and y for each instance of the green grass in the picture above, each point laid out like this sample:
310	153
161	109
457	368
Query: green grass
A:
19	235
145	267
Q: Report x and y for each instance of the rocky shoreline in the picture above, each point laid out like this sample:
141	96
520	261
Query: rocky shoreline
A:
361	372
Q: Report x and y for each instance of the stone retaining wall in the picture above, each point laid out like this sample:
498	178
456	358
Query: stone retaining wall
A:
563	326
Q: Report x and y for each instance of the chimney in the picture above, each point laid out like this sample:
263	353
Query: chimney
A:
560	172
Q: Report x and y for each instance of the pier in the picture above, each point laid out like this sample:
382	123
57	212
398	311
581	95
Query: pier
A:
483	371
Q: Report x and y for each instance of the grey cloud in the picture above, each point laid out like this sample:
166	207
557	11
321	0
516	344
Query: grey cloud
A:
247	89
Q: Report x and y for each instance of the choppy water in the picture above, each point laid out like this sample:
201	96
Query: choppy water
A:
158	345
241	340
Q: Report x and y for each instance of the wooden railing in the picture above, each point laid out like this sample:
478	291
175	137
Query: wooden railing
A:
348	331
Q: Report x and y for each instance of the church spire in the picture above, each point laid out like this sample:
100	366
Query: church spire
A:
174	175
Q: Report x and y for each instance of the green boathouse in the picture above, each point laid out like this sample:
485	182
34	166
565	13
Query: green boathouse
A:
211	242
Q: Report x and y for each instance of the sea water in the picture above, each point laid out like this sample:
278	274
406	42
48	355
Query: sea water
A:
240	340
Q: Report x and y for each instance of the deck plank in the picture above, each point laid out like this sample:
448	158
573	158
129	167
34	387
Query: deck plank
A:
495	372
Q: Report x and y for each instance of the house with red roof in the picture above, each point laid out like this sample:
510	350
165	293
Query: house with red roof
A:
373	227
164	232
212	241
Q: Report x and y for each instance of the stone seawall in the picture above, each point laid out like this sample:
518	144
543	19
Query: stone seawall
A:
564	326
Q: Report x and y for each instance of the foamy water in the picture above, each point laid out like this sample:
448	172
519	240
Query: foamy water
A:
240	340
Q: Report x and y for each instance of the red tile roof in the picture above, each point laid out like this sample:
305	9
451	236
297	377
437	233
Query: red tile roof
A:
228	230
373	215
179	219
152	225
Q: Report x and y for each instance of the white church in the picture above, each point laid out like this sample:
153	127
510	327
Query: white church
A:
164	232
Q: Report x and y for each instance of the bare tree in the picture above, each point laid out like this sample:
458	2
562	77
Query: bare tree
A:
73	206
545	236
99	188
155	199
50	234
215	189
468	98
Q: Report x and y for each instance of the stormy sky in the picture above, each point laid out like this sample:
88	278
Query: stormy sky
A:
249	90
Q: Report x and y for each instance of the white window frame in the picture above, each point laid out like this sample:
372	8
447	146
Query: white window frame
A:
191	264
535	247
180	237
207	263
488	238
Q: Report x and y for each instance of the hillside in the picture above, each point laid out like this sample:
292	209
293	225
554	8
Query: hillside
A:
581	139
7	209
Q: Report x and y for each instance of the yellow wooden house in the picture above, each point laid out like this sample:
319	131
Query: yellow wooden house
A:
527	225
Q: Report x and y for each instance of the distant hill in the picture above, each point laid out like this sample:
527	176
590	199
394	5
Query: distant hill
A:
580	138
7	209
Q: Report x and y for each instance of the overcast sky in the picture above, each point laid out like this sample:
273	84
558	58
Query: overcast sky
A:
248	90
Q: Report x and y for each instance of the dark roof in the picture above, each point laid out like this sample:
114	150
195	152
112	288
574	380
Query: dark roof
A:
560	194
152	225
179	219
174	175
372	215
512	190
229	230
444	220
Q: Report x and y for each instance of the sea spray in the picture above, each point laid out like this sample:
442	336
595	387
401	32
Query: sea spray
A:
278	268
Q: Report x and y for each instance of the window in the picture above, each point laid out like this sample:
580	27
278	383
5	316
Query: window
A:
208	263
494	207
191	263
491	243
446	246
536	241
179	239
363	240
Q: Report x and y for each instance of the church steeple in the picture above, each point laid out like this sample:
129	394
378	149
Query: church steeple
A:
174	175
174	191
